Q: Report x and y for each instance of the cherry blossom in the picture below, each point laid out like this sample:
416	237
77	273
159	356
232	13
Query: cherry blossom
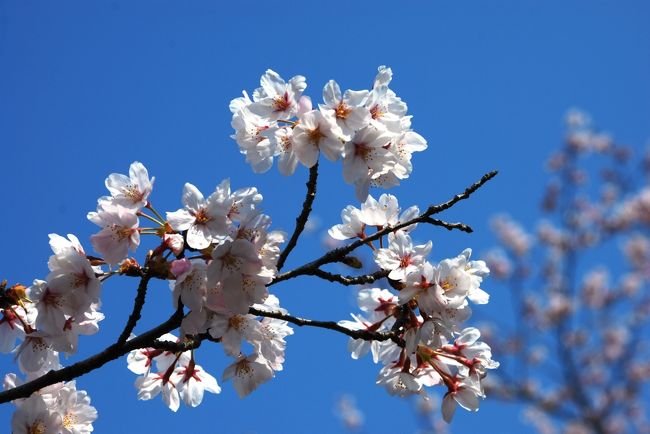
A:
285	148
232	257
203	219
153	384
401	257
33	416
192	381
317	132
464	393
221	260
77	415
250	130
248	373
131	191
119	232
190	285
348	109
277	98
352	226
11	328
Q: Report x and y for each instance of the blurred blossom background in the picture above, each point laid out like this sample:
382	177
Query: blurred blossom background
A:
554	95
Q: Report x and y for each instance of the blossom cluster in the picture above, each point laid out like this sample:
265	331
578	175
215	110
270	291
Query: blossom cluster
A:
59	408
430	346
368	129
219	256
236	260
48	317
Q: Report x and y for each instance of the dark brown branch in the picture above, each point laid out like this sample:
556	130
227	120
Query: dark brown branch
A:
449	226
189	343
348	280
366	335
138	303
301	220
336	254
435	209
93	362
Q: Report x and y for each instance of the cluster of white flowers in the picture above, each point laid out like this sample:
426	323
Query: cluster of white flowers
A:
237	259
59	408
220	256
426	313
177	376
48	317
368	129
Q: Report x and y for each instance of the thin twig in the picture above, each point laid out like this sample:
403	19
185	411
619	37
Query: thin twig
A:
301	220
347	280
436	209
449	226
336	254
366	335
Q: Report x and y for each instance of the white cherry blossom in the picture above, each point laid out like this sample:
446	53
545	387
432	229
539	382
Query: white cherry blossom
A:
403	146
271	343
380	213
366	154
401	257
248	373
59	244
71	275
192	381
377	303
155	383
131	191
77	415
277	98
205	220
347	109
34	416
119	231
398	382
11	328
190	285
317	132
252	135
352	226
232	257
232	329
285	149
464	393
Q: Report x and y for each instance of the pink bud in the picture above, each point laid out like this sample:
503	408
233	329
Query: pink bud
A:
180	266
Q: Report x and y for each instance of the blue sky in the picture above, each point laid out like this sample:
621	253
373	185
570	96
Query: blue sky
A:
88	87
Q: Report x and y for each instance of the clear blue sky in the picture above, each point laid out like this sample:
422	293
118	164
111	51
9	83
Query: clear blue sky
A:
88	87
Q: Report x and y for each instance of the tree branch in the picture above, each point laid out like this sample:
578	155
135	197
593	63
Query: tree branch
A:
93	362
138	303
436	209
449	226
302	218
366	335
187	344
336	254
348	280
